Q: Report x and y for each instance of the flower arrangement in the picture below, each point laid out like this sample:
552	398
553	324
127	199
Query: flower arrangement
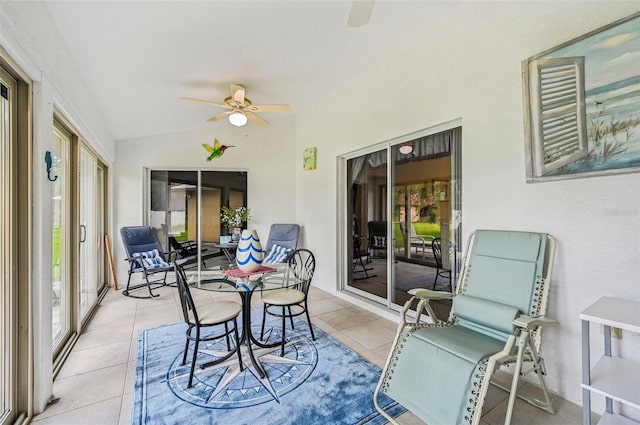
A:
235	217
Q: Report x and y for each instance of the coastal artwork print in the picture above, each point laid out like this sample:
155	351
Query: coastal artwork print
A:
582	112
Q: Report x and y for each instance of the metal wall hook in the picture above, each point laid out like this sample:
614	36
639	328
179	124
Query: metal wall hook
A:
49	161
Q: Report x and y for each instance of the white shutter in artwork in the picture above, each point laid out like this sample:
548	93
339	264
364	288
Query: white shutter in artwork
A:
558	113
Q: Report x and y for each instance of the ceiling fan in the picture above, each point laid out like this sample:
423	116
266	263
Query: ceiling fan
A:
360	13
240	108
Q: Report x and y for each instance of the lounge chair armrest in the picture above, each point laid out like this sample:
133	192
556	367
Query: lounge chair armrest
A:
529	323
427	294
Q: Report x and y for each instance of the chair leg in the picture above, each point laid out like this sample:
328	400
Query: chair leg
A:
226	335
436	279
186	347
306	310
126	291
148	285
193	360
284	326
290	317
516	376
235	331
264	317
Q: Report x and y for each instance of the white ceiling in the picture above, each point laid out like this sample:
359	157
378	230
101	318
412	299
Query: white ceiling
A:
139	57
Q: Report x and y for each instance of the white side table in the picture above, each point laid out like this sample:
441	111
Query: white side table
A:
613	377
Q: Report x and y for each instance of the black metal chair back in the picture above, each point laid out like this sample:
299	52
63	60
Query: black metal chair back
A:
186	300
302	264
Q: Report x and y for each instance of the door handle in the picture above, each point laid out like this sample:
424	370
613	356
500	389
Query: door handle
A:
83	233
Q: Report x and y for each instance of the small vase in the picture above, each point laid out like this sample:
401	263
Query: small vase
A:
237	233
249	254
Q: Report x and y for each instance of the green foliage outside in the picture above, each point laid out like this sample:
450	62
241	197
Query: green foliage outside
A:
422	229
182	237
55	250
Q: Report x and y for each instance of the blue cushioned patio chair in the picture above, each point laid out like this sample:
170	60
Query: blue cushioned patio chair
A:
281	242
145	256
441	371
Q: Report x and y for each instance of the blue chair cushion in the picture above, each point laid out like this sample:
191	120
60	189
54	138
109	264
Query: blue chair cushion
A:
278	254
150	259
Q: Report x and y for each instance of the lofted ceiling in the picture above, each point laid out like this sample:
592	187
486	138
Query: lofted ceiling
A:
139	57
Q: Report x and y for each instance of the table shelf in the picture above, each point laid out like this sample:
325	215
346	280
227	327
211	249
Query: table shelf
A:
615	378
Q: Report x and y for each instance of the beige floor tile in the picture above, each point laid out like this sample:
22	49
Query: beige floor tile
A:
383	351
86	389
324	305
102	413
372	334
347	318
526	414
96	358
130	379
126	408
103	336
408	418
319	323
107	318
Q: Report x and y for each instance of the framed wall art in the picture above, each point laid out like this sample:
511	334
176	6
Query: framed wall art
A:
582	105
309	158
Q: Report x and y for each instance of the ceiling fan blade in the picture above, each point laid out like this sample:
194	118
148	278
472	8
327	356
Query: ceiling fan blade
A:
360	13
237	93
256	119
269	108
220	116
221	105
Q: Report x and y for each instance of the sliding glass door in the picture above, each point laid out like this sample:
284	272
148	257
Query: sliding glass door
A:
368	224
8	234
185	206
60	239
91	229
401	200
78	204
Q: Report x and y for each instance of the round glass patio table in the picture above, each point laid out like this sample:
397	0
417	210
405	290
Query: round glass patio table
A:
273	277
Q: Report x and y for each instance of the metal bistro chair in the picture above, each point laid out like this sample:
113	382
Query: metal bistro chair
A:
301	266
145	256
436	246
211	314
441	371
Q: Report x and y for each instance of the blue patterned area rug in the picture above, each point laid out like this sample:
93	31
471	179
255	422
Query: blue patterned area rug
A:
316	382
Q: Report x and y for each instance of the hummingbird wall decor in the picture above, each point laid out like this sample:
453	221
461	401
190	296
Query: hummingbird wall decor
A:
216	151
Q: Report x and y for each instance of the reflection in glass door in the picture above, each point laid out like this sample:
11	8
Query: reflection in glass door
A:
185	210
368	224
399	205
421	211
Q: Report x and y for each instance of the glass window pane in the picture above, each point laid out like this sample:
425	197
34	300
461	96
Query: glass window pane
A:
6	335
367	180
89	240
60	299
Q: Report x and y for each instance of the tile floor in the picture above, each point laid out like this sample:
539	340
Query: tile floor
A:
95	385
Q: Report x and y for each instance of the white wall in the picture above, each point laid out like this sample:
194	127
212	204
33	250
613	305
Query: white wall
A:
468	66
33	44
266	153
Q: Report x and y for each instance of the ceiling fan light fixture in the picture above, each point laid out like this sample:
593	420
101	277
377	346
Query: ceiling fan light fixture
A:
238	119
406	149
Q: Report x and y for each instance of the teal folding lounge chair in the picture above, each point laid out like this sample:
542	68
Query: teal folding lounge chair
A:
441	371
